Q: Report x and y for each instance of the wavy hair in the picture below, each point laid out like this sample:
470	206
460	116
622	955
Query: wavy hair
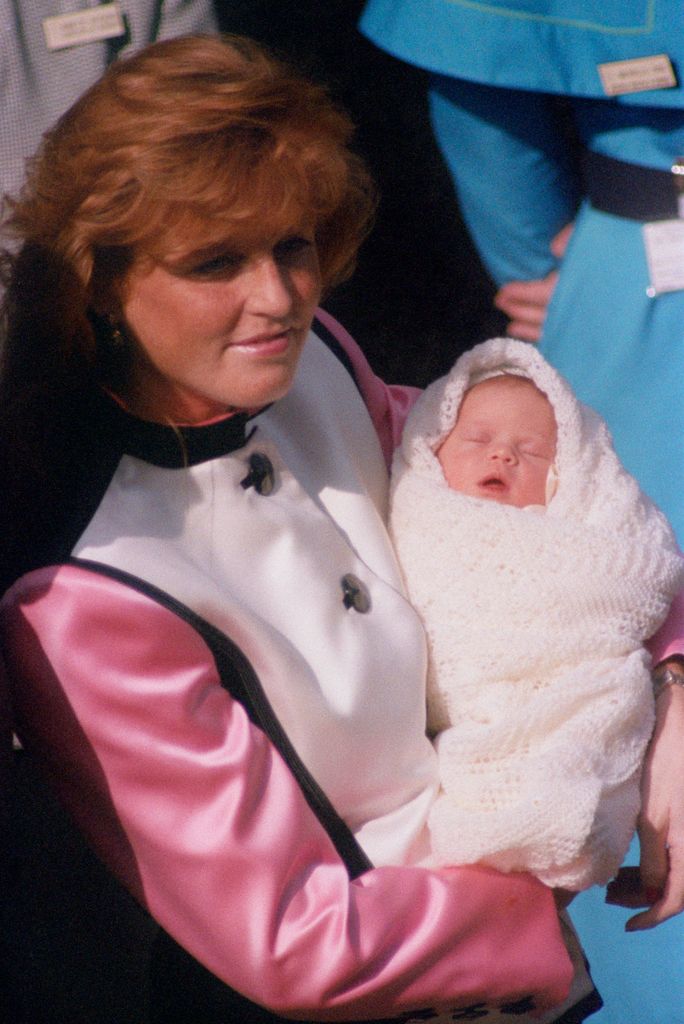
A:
195	137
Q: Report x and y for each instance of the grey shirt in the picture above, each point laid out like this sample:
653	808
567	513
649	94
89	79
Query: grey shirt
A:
38	84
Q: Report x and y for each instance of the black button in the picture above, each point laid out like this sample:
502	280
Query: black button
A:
355	594
522	1006
261	475
475	1012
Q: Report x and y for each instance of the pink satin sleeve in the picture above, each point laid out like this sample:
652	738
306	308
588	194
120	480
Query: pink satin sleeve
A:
192	807
669	640
388	404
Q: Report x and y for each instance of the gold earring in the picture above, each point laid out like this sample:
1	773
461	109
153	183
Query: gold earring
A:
117	336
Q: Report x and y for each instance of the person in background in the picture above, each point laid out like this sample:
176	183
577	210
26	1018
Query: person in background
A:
51	52
552	117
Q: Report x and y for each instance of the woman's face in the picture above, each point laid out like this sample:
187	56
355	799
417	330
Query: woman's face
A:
218	327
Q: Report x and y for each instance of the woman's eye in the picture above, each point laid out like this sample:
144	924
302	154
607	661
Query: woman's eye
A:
292	248
217	266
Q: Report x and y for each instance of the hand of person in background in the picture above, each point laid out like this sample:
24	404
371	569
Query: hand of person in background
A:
659	881
525	302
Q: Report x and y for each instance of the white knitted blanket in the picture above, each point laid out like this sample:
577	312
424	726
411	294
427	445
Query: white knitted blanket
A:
539	684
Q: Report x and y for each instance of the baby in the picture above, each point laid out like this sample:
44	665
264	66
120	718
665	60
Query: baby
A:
503	443
540	569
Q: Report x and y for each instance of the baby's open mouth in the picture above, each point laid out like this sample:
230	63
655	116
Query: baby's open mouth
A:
493	483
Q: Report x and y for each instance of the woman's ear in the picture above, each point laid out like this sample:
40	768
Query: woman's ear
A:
108	282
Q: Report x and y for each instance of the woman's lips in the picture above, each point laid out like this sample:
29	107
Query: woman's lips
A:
265	345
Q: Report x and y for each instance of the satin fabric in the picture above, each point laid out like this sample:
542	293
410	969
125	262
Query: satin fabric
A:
192	808
198	816
267	570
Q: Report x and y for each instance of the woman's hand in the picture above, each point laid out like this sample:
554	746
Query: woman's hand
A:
661	823
525	302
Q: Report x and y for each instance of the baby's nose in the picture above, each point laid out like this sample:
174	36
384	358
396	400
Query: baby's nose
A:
503	452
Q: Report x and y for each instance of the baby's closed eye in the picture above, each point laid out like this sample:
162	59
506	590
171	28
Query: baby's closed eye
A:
537	450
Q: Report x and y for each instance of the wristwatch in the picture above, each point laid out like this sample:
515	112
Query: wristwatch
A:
666	675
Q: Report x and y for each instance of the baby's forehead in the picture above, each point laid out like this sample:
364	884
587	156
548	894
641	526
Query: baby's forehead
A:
508	399
505	382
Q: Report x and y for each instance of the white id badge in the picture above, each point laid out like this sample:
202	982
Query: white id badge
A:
640	74
664	244
88	26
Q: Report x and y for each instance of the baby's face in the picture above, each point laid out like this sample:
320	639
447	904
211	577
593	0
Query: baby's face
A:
503	443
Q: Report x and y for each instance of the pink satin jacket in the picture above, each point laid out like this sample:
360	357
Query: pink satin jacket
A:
224	684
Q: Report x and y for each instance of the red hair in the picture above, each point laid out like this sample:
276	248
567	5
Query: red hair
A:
193	134
193	138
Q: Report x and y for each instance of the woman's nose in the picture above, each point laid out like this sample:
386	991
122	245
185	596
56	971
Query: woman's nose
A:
269	290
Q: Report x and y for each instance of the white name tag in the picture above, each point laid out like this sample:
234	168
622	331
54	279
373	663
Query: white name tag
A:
89	26
619	77
664	243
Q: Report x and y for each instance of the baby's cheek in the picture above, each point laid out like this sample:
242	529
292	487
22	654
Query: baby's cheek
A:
538	485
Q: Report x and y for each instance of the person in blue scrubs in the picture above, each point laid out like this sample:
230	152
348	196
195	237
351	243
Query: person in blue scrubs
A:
551	114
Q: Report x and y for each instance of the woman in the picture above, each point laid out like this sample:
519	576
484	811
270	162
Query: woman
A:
208	644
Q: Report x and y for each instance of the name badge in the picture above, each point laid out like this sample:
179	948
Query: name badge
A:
619	77
88	26
664	244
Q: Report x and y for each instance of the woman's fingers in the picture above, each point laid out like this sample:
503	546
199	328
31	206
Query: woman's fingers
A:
661	822
525	304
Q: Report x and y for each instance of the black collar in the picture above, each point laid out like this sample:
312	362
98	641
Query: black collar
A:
174	447
180	447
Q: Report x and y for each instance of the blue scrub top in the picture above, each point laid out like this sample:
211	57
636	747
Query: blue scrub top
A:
552	46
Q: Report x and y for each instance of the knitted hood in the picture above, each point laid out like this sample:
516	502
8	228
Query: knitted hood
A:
584	451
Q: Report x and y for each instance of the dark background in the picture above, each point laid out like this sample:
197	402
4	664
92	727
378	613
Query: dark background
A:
419	296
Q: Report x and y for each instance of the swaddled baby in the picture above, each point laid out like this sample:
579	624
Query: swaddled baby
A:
540	570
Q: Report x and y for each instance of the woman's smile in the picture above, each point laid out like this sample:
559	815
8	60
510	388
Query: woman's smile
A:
265	344
219	334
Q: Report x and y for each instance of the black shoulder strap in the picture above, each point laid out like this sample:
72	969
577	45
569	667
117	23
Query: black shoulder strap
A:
241	681
335	346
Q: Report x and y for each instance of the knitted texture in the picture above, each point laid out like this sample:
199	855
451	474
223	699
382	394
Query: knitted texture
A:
539	684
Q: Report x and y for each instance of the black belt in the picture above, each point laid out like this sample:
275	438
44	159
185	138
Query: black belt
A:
630	190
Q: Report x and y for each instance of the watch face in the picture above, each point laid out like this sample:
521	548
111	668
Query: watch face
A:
667	677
